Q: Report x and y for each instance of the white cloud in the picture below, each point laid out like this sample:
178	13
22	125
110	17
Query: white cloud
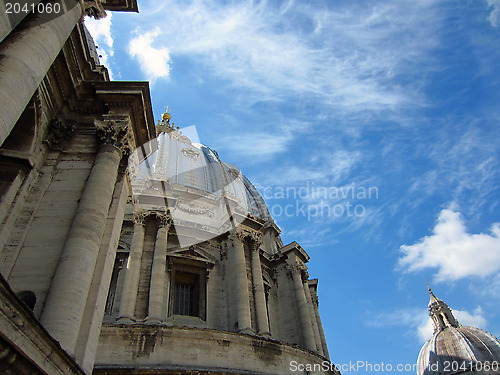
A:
475	319
154	62
101	33
258	145
347	59
415	319
419	322
494	16
453	251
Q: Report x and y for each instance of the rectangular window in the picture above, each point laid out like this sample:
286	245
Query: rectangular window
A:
186	294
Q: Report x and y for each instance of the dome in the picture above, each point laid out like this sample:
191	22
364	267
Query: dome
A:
198	189
456	349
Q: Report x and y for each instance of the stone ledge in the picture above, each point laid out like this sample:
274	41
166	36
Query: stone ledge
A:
28	341
139	348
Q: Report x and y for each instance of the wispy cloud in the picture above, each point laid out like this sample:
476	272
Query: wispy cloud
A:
154	59
259	145
461	163
419	322
101	33
354	59
325	168
494	16
453	251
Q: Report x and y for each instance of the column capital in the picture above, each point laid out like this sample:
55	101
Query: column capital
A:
165	219
299	268
140	217
253	235
115	130
240	234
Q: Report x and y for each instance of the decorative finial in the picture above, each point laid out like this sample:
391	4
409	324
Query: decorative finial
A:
166	116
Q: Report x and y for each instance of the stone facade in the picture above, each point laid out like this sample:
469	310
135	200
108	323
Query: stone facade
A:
92	274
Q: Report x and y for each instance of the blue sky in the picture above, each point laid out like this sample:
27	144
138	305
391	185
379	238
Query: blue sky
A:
334	100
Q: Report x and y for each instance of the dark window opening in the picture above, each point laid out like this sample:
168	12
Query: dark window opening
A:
28	297
111	302
186	294
441	320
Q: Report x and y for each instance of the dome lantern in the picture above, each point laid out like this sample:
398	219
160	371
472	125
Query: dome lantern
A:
441	314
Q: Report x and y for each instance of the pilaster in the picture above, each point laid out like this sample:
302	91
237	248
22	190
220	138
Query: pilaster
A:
258	287
312	317
238	263
320	326
157	294
131	282
297	272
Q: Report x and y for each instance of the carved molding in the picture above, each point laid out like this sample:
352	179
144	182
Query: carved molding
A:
195	208
190	153
177	134
93	8
268	224
115	131
298	268
59	133
254	236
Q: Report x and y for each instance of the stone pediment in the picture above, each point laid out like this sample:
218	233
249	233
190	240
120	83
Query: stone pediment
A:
193	253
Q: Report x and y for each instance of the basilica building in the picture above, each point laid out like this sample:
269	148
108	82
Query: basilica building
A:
125	248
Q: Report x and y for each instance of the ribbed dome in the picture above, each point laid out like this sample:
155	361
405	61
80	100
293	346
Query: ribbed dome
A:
191	181
454	349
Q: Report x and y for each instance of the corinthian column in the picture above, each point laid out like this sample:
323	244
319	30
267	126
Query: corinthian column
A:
131	283
157	293
312	316
29	51
238	265
258	287
305	320
67	297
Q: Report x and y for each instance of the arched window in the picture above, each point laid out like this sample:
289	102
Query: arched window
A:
441	321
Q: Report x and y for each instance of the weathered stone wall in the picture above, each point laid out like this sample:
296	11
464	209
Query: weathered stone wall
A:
290	303
181	348
36	246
